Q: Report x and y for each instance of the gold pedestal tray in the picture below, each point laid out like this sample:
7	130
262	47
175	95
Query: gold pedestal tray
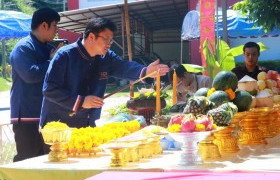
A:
122	153
118	157
236	119
277	121
208	150
265	122
273	121
132	154
225	141
250	134
58	140
84	153
155	145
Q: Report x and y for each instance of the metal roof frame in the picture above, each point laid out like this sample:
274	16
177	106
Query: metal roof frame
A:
152	15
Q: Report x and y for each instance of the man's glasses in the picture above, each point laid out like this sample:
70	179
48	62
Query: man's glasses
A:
108	41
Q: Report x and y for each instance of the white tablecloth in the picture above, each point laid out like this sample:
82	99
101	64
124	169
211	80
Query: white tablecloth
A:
249	158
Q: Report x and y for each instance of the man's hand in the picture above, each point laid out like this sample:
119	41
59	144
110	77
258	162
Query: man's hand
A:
53	51
92	102
155	66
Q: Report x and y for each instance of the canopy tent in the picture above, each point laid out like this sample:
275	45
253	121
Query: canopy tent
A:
13	24
237	26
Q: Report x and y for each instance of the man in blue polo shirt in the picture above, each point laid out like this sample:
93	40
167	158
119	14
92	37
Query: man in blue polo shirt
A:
77	76
30	61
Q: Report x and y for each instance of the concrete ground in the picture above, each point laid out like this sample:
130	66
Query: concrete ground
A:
5	106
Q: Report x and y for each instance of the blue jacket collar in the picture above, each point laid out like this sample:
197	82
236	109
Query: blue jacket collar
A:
83	51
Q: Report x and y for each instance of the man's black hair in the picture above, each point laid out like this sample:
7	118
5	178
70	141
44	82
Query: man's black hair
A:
47	15
97	25
180	70
251	45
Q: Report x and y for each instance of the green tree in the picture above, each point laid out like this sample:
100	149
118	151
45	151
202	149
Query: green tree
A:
265	13
57	5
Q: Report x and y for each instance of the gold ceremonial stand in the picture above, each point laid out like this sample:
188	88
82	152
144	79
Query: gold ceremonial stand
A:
250	133
208	150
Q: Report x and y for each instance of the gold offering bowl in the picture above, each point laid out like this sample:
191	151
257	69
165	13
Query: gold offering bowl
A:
58	140
208	150
236	119
276	108
250	133
122	152
266	121
225	141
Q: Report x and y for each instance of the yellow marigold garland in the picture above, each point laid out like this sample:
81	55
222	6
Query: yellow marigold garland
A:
84	139
230	93
55	125
210	91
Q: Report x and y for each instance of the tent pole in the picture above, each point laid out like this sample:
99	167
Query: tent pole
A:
3	49
4	58
217	31
181	61
127	25
123	40
224	10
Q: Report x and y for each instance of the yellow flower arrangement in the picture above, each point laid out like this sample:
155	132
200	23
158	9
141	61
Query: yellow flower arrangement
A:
210	92
148	94
230	93
200	127
174	128
136	96
56	132
83	140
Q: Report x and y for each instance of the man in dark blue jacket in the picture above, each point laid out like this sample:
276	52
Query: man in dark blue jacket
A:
77	76
30	61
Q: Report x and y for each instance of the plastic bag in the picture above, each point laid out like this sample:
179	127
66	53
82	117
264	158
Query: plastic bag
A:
121	117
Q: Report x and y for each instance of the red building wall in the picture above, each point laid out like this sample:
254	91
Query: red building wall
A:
72	37
73	4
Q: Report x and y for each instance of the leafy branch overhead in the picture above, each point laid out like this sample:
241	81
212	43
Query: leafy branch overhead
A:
265	13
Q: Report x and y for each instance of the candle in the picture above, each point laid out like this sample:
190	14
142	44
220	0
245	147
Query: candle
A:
174	97
158	106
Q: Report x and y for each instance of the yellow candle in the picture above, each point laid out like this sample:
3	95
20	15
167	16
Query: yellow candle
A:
158	106
174	97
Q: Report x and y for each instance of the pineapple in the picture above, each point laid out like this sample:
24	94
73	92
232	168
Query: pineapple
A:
197	105
223	114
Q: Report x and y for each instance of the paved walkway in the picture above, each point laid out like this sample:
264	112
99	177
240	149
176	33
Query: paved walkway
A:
5	105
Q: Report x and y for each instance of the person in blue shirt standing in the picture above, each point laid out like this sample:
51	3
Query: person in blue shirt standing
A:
30	60
77	76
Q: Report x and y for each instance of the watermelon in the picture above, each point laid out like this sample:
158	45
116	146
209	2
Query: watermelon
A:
242	100
225	80
201	92
219	97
